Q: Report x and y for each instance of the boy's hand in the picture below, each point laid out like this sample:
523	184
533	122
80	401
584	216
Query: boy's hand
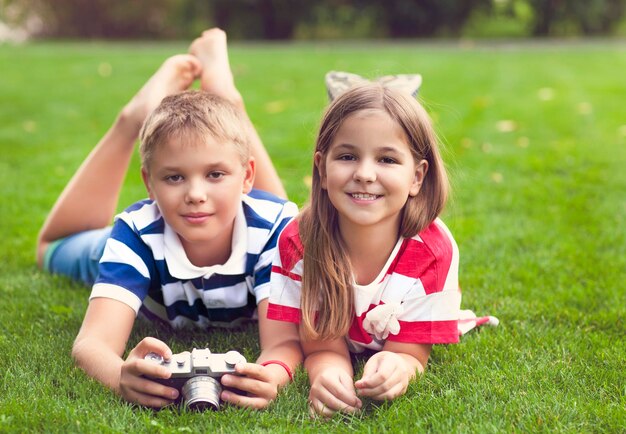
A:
254	380
386	376
135	387
332	391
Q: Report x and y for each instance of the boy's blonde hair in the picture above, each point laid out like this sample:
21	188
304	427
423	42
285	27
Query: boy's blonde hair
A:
193	115
327	294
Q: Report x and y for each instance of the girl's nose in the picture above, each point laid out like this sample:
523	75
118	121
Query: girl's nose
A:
365	172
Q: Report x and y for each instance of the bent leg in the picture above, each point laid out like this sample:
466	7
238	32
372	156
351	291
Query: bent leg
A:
78	255
89	200
217	78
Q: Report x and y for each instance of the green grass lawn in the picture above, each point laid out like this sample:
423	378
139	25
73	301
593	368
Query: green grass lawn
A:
535	140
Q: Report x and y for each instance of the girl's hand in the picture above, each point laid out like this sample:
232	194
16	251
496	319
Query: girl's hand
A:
253	379
333	391
135	387
386	376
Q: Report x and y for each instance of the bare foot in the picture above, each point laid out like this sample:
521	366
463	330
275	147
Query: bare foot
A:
217	78
176	74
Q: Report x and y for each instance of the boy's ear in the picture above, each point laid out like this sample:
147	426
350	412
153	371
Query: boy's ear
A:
249	174
420	173
320	166
146	181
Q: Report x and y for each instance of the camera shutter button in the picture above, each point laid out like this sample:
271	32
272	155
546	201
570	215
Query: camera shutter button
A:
154	357
232	358
180	360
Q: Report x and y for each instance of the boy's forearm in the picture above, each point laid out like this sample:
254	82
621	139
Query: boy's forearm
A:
98	362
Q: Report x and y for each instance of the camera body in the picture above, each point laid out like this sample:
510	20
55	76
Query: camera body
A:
197	374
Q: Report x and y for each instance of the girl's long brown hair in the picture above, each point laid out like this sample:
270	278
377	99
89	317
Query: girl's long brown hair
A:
327	295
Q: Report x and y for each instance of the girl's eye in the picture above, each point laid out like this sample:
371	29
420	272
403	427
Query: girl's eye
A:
173	178
388	160
346	157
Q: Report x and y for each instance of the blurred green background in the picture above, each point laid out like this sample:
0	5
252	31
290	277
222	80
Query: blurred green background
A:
533	133
302	19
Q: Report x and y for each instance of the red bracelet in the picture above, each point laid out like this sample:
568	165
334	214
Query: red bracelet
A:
283	364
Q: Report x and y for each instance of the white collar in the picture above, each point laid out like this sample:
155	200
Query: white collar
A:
180	267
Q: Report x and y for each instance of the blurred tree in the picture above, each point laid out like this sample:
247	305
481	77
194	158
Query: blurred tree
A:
335	19
597	17
586	17
95	18
410	18
265	19
281	19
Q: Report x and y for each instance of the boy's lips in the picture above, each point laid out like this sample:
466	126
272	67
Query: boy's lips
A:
196	217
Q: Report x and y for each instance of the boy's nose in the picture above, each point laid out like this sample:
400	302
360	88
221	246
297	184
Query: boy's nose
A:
196	193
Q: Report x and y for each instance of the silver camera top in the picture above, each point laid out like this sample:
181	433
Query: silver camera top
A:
199	362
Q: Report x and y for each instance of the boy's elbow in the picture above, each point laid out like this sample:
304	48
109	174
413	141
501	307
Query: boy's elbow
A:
78	351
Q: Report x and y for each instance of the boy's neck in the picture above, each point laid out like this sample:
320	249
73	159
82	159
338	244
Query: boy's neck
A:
216	252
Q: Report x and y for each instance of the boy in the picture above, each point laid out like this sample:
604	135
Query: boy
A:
198	252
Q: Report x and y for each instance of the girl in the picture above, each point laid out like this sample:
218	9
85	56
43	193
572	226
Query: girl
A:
368	265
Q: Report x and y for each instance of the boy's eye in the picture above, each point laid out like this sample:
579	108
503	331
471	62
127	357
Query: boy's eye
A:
215	175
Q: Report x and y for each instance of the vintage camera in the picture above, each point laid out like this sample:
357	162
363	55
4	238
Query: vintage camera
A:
197	374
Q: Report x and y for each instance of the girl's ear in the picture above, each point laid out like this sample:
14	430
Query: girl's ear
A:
249	174
320	165
420	173
146	181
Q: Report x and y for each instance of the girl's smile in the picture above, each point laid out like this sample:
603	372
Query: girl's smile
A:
365	197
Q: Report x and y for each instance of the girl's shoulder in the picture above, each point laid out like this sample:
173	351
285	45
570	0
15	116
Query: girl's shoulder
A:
435	240
290	248
434	232
291	232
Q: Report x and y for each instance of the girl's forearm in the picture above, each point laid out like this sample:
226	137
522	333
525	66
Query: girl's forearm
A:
289	353
317	362
413	365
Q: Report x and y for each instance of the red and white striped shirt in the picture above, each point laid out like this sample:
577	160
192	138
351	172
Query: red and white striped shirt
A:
414	299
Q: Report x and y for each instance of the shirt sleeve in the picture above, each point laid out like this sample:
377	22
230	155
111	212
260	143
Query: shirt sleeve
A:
430	309
286	277
124	272
263	266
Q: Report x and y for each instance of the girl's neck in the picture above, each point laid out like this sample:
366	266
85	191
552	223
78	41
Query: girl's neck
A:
368	249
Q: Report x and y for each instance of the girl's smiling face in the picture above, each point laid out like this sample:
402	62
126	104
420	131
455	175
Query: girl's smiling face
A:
369	171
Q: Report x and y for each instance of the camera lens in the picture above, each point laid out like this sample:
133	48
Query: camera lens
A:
202	393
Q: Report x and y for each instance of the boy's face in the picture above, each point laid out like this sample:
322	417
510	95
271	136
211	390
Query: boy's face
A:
198	186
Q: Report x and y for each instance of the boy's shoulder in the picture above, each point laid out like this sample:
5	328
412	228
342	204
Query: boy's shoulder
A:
264	195
263	209
142	214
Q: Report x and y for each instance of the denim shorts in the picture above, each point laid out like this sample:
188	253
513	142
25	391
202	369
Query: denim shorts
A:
78	255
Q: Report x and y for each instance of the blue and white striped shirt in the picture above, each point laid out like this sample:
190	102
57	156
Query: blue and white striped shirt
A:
145	266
